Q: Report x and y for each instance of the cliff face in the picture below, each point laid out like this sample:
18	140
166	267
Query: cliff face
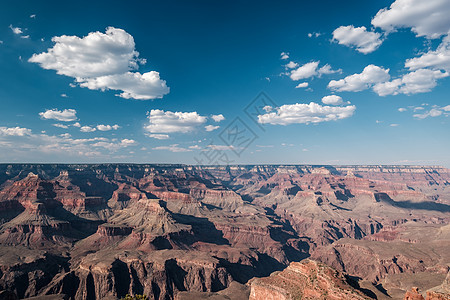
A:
167	230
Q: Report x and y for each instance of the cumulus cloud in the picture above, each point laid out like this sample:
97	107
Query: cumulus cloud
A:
160	121
60	126
419	81
87	129
16	30
305	114
332	100
102	127
14	131
358	37
402	109
302	85
104	61
67	115
291	65
425	18
438	59
218	118
172	148
284	55
311	69
370	76
211	127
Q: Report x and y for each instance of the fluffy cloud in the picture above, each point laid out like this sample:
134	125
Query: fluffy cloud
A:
14	131
88	129
291	65
302	85
306	113
425	18
357	82
364	41
133	85
169	122
102	127
66	115
60	126
173	148
103	61
218	118
419	81
211	127
332	100
438	59
311	69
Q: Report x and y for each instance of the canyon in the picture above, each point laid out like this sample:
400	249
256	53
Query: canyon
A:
94	231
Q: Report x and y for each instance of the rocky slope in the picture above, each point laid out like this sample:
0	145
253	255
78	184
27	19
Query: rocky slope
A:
168	231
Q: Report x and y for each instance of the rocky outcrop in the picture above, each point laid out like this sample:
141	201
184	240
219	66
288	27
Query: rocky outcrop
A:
305	280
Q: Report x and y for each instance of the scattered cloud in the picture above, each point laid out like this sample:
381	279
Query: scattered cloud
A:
358	37
107	127
314	34
436	60
393	125
88	129
301	113
158	136
60	126
332	100
33	16
173	148
103	61
284	55
402	109
370	76
67	115
419	81
211	127
425	18
218	118
311	69
160	121
291	65
221	147
64	95
302	85
436	111
16	30
14	131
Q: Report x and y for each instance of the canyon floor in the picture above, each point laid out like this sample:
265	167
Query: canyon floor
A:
224	232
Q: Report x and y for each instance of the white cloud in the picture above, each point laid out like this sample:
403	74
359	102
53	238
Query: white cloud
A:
158	136
102	127
364	41
76	124
436	111
393	125
332	100
64	95
291	65
284	55
305	71
311	69
14	131
66	115
33	16
419	81
104	61
172	148
211	127
60	126
302	85
218	118
357	82
88	129
168	122
132	84
428	18
437	60
402	109
24	36
194	147
306	113
16	30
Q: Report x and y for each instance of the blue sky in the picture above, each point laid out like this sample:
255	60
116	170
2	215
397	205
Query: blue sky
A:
349	82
